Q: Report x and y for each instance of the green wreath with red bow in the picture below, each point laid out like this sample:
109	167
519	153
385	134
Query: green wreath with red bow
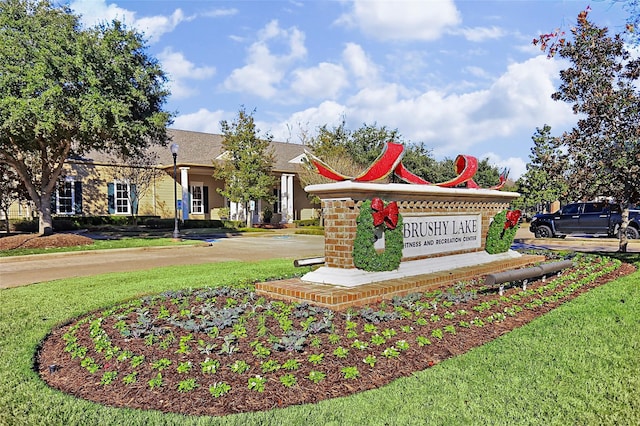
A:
374	215
502	231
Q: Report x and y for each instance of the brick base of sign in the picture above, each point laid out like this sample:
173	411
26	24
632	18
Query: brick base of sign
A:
340	298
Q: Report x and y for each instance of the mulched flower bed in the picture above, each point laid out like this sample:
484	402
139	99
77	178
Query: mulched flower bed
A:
225	350
33	241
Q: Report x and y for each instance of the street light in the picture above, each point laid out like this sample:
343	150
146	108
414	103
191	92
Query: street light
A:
174	152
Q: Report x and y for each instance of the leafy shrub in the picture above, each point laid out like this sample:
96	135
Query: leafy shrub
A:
307	222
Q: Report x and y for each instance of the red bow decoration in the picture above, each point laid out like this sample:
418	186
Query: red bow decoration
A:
512	218
387	215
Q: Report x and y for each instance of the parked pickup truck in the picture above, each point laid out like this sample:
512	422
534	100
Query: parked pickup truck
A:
594	218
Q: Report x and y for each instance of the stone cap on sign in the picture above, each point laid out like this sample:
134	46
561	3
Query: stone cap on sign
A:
403	191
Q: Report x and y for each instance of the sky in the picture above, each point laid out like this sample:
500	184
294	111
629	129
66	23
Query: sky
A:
462	76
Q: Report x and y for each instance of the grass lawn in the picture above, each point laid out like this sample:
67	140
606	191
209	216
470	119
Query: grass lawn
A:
579	364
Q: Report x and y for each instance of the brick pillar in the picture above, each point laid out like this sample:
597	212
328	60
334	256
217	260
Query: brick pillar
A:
340	231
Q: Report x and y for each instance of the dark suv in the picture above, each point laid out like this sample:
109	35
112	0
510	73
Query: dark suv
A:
594	218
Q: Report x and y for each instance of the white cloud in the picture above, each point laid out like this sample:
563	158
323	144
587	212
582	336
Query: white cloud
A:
328	112
479	34
477	72
180	69
265	69
361	66
98	11
215	13
402	19
201	121
450	123
516	166
326	80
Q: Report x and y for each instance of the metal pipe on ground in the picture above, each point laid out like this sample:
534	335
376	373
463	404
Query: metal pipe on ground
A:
525	274
310	261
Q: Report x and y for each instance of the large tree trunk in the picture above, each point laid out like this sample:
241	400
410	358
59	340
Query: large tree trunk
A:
46	220
249	214
623	228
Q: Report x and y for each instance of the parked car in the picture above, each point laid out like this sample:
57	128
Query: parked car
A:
593	218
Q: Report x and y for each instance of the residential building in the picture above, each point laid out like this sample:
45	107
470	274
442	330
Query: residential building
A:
96	185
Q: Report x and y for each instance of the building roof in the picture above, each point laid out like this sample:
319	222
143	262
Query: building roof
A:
201	149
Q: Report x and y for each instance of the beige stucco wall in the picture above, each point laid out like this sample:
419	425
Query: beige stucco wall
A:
158	200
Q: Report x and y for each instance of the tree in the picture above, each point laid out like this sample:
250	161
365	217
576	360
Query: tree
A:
247	167
65	91
11	191
347	151
139	174
419	160
486	176
633	20
545	179
604	147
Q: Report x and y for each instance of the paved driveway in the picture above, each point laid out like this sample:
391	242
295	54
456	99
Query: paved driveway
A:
21	270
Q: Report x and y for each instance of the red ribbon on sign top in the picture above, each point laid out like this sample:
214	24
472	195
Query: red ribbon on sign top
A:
387	215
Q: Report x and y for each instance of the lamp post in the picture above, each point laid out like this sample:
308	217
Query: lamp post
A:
174	152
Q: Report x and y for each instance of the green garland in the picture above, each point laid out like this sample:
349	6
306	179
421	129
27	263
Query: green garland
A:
499	240
365	256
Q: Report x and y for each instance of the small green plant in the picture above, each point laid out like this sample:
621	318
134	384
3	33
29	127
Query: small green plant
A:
130	378
156	382
358	344
334	338
423	341
437	333
422	321
402	345
341	352
239	366
388	333
90	364
377	339
124	355
316	376
163	312
391	352
187	385
370	360
219	389
239	330
259	350
161	364
184	367
450	329
350	372
316	359
315	342
256	383
288	380
270	366
108	377
370	328
136	360
291	364
150	339
210	366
